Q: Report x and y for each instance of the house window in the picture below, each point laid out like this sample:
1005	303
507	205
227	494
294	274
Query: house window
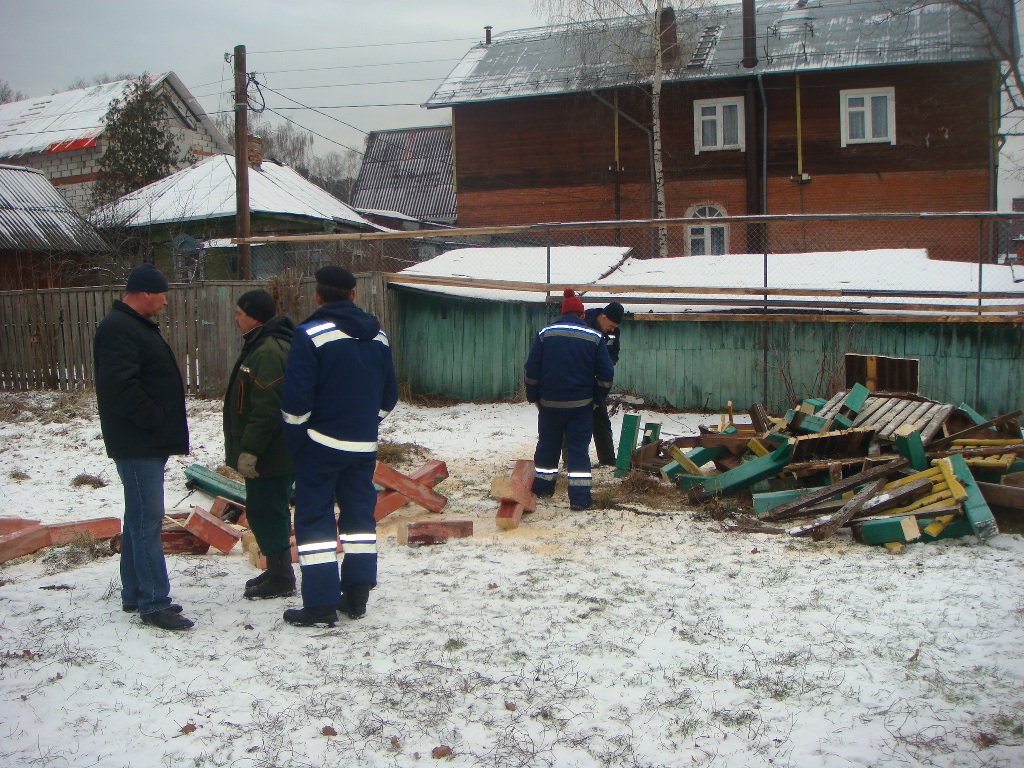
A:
706	239
717	125
869	116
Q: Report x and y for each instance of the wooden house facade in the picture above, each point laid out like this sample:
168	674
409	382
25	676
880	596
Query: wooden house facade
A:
848	108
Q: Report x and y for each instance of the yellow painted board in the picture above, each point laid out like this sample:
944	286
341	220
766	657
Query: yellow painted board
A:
959	493
968	442
684	461
938	525
932	474
944	495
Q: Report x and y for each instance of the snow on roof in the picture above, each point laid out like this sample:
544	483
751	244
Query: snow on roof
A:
873	271
791	36
574	265
206	190
880	275
34	216
74	119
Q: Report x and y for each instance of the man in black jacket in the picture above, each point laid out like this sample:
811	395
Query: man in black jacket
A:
606	321
252	438
141	401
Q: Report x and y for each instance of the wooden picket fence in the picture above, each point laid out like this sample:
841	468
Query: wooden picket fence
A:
46	335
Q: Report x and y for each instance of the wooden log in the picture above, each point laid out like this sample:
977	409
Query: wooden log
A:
792	508
99	528
415	491
433	531
212	529
23	541
429	474
510	511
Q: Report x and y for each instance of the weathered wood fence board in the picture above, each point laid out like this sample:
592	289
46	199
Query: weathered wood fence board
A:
46	335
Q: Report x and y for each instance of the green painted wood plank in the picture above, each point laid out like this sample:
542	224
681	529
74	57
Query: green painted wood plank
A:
975	507
911	448
627	444
743	476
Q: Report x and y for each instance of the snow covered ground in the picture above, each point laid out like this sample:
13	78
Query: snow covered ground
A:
604	638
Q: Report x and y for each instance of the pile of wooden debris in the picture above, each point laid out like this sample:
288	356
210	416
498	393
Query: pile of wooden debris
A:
892	467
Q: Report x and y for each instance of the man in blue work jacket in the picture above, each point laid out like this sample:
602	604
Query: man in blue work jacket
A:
568	374
339	384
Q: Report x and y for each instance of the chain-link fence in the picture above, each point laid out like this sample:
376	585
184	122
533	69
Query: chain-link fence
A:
911	263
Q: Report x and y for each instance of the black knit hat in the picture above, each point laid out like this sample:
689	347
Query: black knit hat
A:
614	312
146	278
336	277
258	304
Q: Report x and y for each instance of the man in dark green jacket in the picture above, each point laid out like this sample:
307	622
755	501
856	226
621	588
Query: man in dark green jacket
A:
253	442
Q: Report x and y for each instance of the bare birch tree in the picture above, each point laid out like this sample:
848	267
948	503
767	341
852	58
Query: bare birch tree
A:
647	59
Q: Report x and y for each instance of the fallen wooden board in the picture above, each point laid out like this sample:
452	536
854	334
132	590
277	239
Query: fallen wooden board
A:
210	528
214	484
1005	496
433	531
429	474
98	528
415	491
23	541
793	508
510	511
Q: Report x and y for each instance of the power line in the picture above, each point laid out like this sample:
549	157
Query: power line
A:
310	130
369	45
359	66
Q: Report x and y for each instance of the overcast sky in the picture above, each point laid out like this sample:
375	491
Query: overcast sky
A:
332	47
336	55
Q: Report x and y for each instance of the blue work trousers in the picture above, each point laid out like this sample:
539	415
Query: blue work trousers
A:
144	580
324	476
575	426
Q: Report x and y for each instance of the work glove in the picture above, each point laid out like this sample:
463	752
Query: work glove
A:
247	465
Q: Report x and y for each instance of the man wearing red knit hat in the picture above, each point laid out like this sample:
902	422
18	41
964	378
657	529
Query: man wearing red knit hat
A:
568	374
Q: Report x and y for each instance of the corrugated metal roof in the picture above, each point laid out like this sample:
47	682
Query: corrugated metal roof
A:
791	36
74	119
408	170
206	190
34	216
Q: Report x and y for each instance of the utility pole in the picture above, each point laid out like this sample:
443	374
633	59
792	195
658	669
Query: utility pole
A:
242	162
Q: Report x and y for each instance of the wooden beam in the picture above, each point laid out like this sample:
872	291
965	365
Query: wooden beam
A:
945	442
792	508
431	473
433	531
415	491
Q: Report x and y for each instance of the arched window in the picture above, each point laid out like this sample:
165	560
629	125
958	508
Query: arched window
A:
709	239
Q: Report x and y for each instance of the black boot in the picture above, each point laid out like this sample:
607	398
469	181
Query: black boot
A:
311	617
280	581
263	576
353	601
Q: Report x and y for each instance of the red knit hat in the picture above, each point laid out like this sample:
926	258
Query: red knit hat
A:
571	302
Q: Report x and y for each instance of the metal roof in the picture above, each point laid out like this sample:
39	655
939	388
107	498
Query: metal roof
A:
74	119
206	190
408	170
35	217
792	36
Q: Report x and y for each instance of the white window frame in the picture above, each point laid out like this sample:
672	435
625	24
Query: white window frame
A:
718	105
710	211
846	112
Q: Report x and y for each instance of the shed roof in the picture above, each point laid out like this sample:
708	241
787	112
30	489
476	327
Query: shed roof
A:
74	119
408	170
35	217
206	190
867	275
578	265
792	36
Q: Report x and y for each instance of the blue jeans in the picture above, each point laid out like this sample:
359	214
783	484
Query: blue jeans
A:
143	568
